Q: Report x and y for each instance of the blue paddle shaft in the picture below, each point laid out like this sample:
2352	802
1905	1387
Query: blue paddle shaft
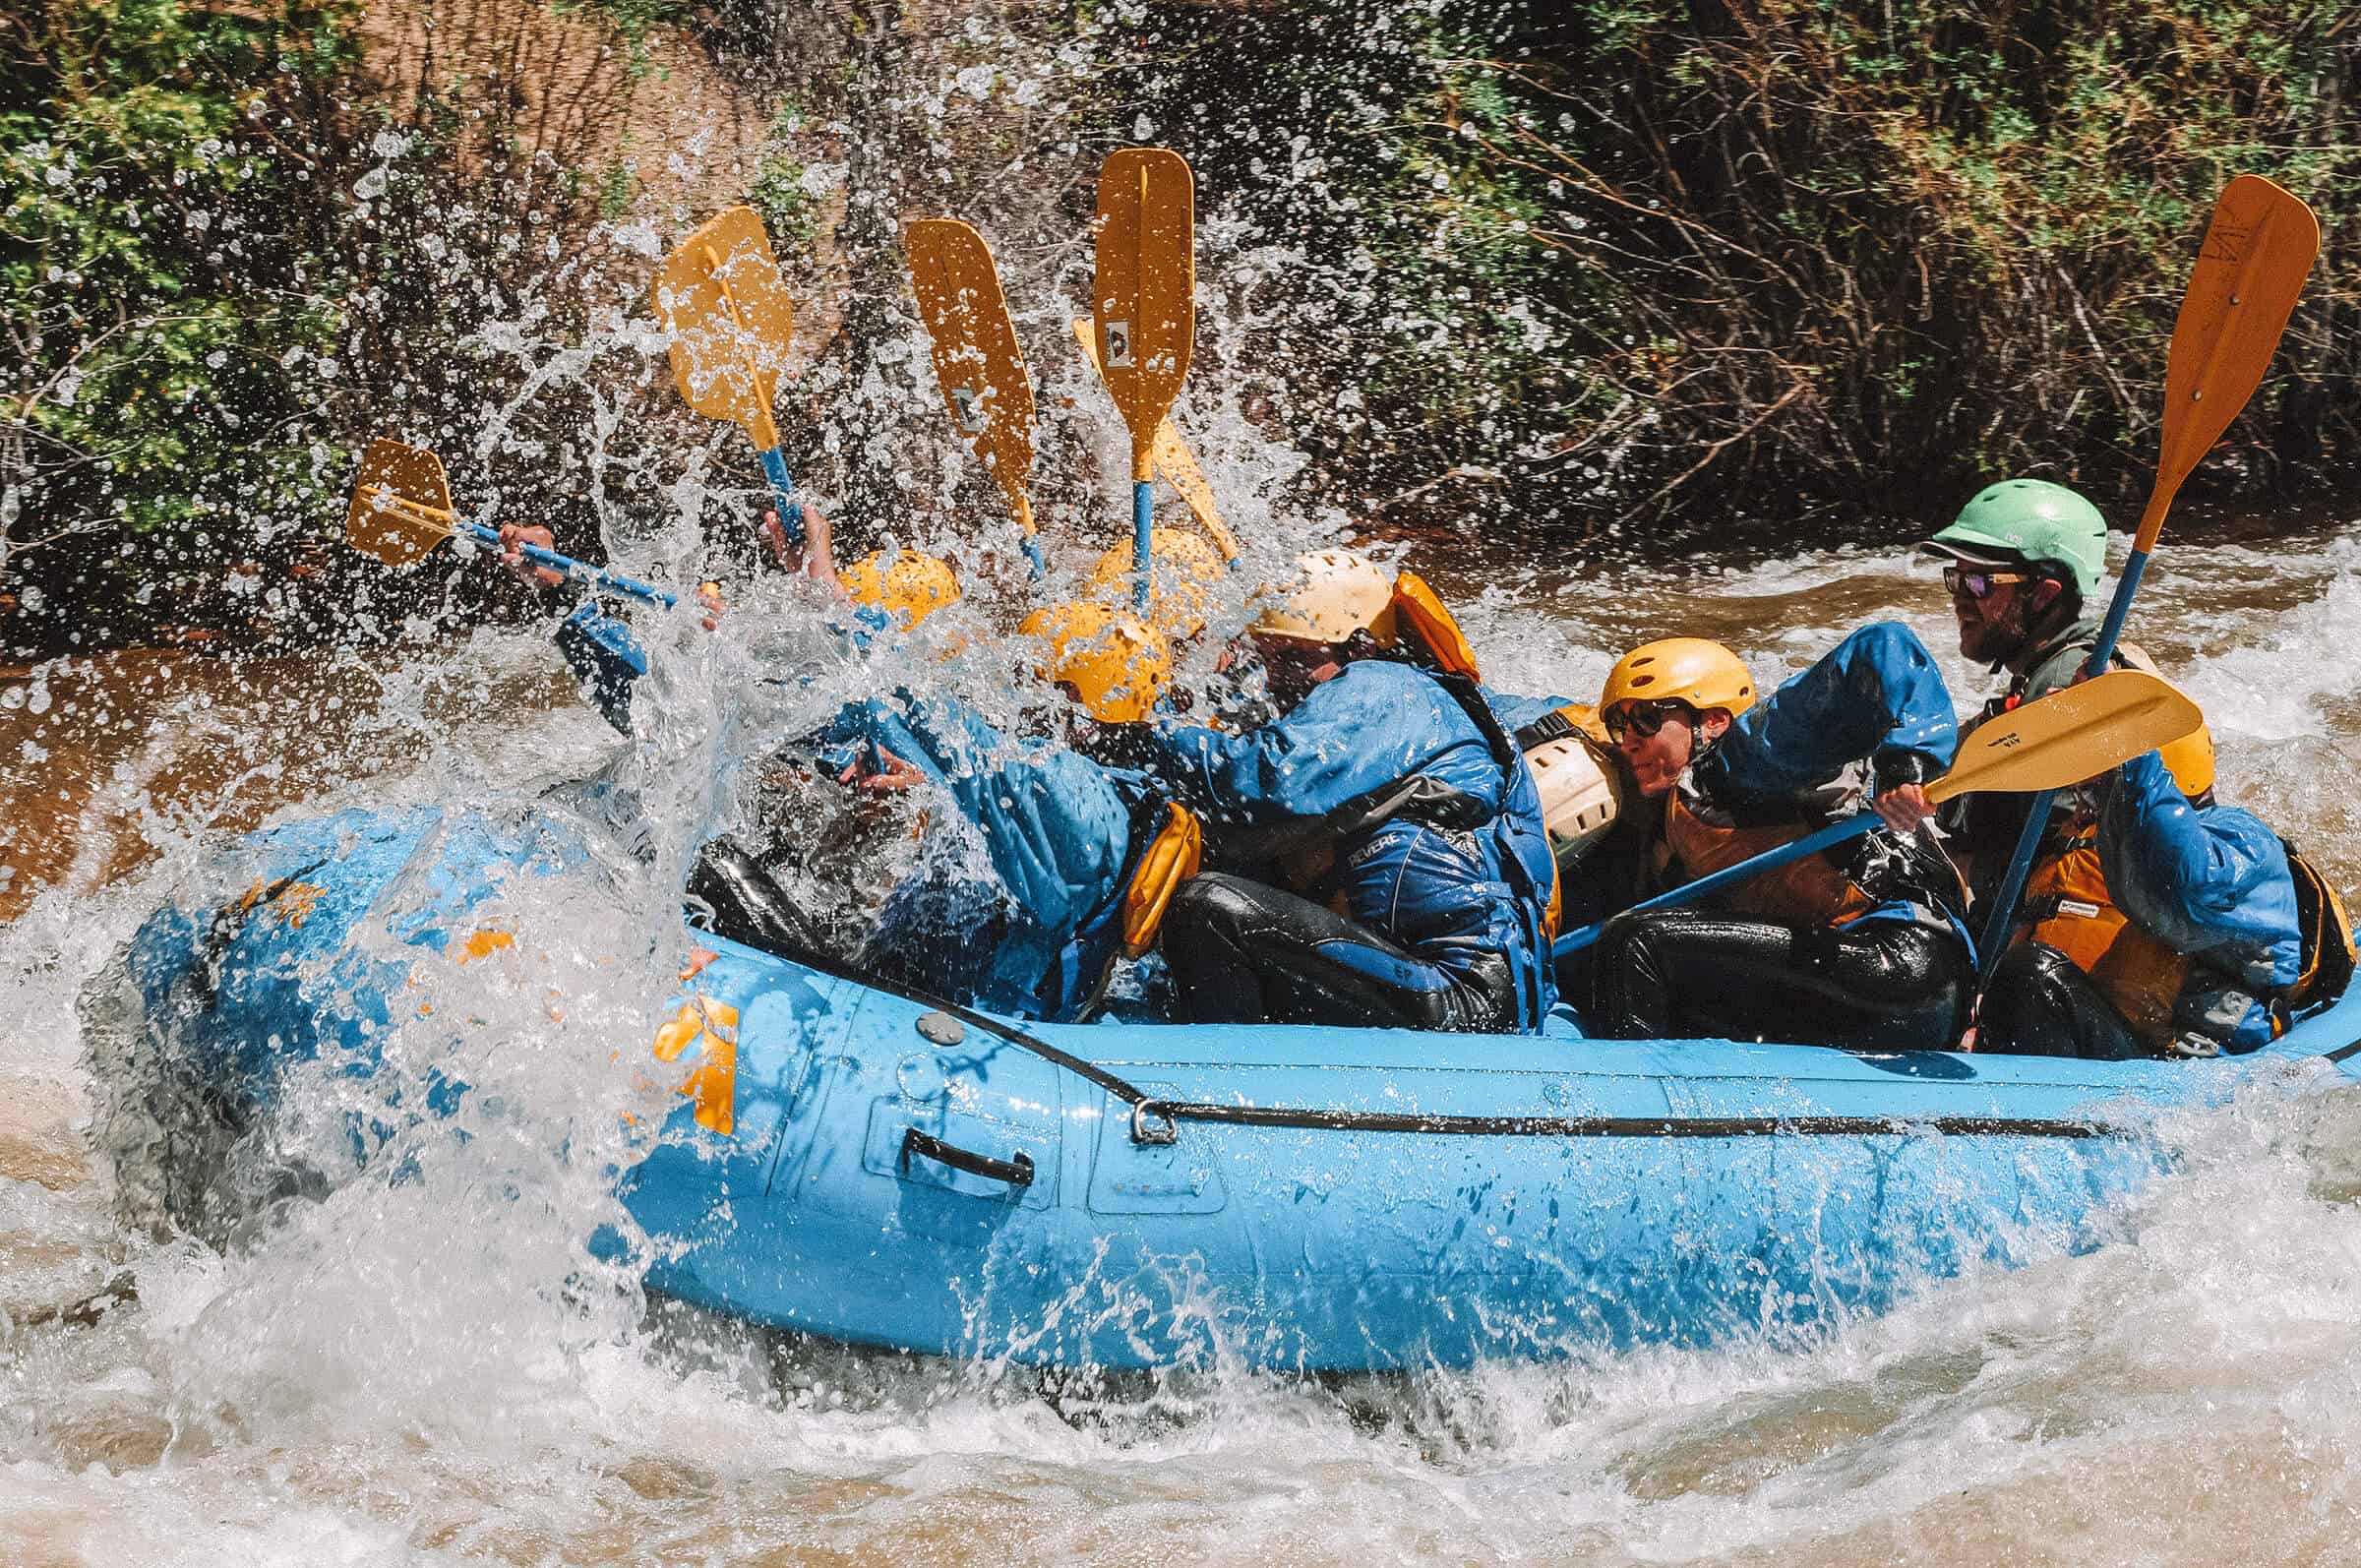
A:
1833	834
1143	509
2036	821
489	536
782	489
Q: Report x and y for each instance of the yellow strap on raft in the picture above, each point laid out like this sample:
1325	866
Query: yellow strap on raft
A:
1419	609
712	1083
1171	859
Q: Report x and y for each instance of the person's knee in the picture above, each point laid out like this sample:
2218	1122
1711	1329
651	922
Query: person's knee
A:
1209	905
1637	939
1629	999
2031	973
1906	965
2039	1003
1212	895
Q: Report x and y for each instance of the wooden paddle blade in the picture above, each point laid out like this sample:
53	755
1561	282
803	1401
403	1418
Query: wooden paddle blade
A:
1144	290
977	363
1171	459
1178	466
720	296
2250	270
400	504
2074	734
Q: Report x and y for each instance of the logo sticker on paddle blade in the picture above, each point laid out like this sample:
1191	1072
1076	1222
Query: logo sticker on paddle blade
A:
977	362
967	409
1143	286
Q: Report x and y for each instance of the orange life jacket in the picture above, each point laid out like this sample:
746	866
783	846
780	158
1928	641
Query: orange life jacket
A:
1171	858
2141	975
2071	910
1421	610
1805	892
2327	932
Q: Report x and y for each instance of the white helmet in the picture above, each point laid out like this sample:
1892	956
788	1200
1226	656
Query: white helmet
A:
1580	789
1333	594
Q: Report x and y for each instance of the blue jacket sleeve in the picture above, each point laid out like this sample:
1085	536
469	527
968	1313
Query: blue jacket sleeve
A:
2204	879
1054	825
1515	712
606	658
1876	694
1371	727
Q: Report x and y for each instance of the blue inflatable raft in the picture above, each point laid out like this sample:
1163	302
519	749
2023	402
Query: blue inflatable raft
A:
882	1169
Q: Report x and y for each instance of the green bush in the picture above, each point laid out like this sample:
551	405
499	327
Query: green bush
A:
161	279
1617	258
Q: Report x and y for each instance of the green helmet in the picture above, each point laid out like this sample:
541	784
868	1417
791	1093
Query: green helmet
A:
2030	520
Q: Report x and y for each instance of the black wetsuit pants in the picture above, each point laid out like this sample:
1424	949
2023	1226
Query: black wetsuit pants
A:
1244	952
2040	1005
1672	973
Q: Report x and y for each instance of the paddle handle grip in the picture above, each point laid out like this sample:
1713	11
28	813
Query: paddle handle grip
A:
1995	935
488	536
782	491
1828	837
1143	554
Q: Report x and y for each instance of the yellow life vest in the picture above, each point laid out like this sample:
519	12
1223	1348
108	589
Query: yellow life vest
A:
1420	610
1172	858
2327	932
1804	892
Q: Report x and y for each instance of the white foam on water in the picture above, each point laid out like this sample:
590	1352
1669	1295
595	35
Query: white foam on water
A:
433	1368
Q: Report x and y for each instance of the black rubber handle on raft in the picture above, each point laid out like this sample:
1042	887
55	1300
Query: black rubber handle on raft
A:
1018	1172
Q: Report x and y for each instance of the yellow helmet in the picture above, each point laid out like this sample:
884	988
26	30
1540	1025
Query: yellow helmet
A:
2188	759
1183	570
1704	675
910	583
1117	664
1333	594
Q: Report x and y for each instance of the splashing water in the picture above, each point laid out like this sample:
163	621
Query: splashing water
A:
434	1367
422	1361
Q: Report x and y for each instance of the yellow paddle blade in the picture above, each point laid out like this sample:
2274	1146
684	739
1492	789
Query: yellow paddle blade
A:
1143	292
2074	734
977	363
400	504
720	296
2249	272
1171	459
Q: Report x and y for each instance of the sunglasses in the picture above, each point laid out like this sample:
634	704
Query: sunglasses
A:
1644	719
1977	584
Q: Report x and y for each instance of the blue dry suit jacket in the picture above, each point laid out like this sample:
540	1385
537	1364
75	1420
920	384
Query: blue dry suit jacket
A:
1877	695
1461	866
2211	880
1056	825
1057	828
